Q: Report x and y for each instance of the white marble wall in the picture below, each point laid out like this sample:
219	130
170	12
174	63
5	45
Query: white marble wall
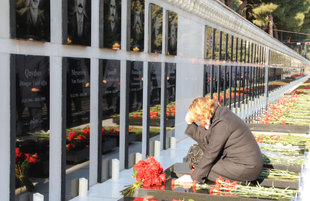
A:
189	70
194	15
4	105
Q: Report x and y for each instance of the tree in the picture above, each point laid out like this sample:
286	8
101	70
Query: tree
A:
286	15
242	7
290	14
262	14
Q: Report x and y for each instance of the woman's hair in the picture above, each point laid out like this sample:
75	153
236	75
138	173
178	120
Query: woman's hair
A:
202	109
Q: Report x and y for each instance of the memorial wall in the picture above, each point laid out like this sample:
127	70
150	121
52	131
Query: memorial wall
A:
191	56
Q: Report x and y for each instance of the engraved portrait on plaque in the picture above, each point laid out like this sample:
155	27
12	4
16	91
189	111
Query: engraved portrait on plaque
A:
31	20
137	26
79	22
172	33
112	24
156	28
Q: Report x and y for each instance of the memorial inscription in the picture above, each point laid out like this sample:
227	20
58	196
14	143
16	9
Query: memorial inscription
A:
32	93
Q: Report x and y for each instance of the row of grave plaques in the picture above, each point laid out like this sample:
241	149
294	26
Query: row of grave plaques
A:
30	20
32	89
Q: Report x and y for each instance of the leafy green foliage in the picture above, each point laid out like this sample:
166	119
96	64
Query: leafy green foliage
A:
288	16
262	12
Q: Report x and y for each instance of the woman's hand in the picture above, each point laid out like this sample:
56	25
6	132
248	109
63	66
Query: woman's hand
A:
188	118
185	181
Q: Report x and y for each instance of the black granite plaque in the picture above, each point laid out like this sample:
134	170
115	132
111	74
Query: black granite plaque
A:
235	50
227	81
291	168
209	42
32	93
180	169
138	199
111	86
207	79
172	33
136	85
156	28
188	194
78	20
155	82
223	84
217	44
30	19
215	79
229	49
172	191
171	82
245	55
78	84
239	50
137	26
112	24
223	46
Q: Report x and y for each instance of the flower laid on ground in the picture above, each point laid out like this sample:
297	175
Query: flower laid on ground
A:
278	149
148	173
303	142
279	174
273	139
144	199
292	109
232	188
228	188
151	199
23	161
283	149
270	158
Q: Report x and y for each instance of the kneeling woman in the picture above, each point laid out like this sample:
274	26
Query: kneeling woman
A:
228	146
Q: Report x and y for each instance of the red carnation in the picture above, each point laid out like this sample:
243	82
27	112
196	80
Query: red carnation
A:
80	138
32	160
148	173
18	153
71	135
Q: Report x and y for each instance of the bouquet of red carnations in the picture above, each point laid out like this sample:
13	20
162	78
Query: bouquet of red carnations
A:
147	172
23	161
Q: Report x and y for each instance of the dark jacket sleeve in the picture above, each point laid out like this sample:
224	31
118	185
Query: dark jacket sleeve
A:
216	140
196	132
